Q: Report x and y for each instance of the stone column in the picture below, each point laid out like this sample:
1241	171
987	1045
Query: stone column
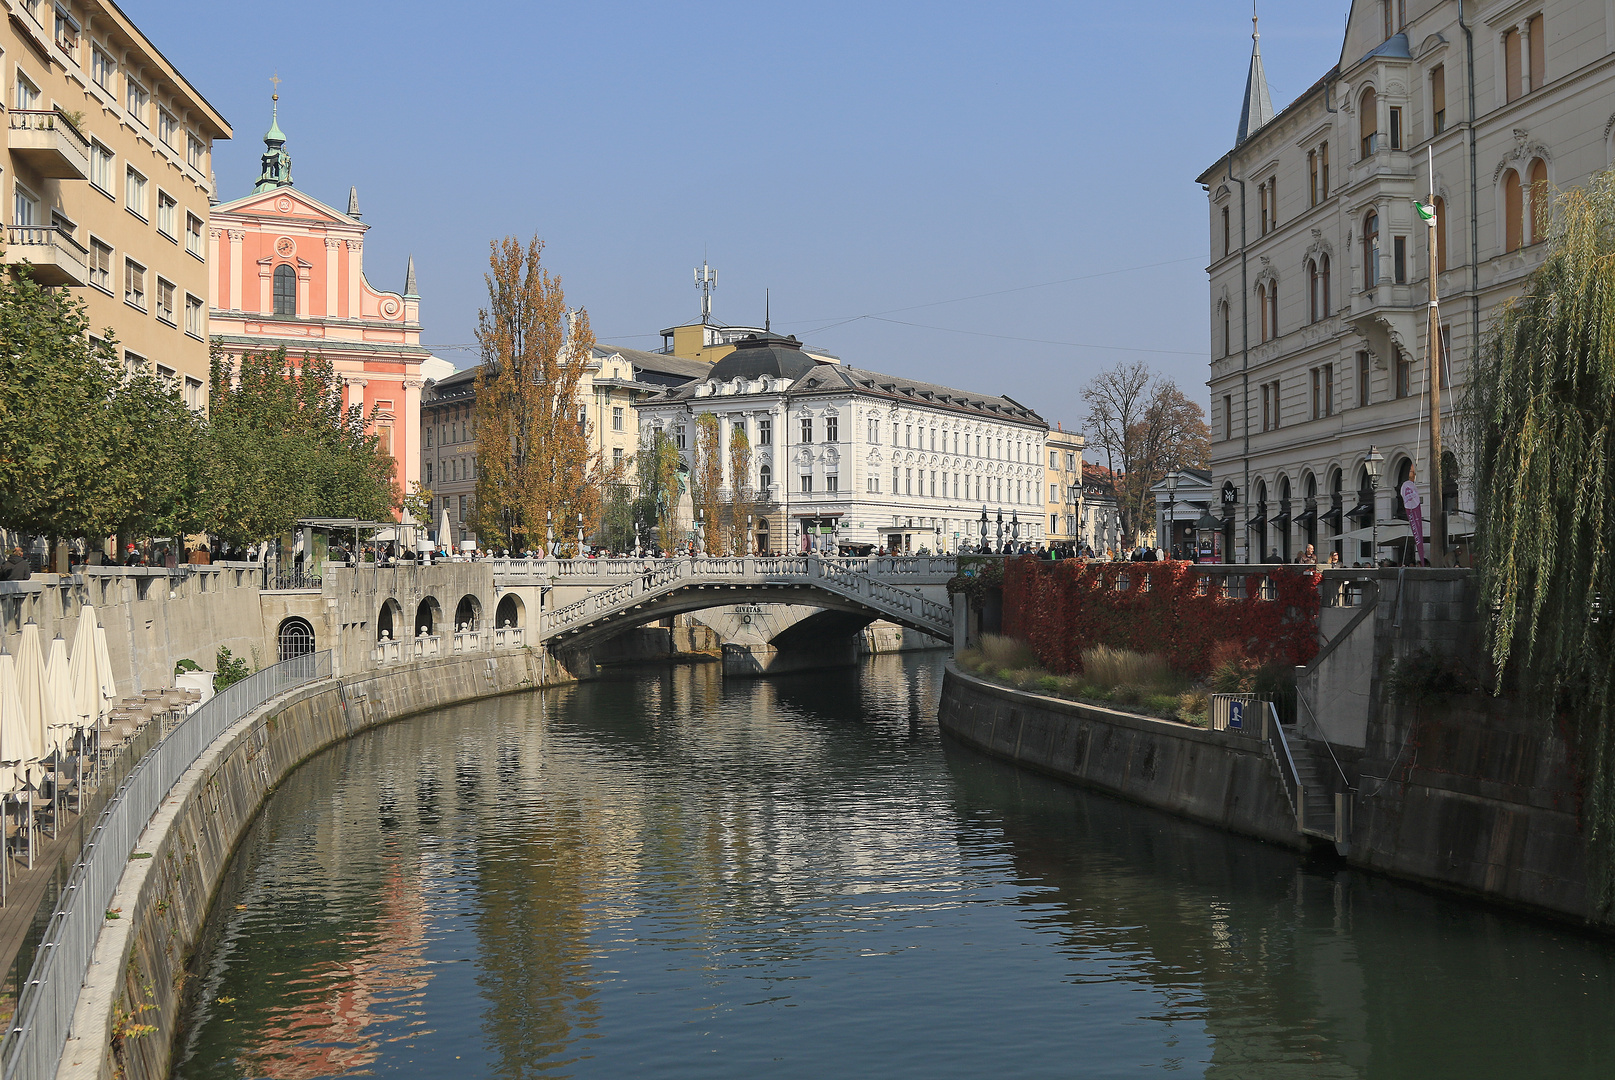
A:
303	269
409	425
332	246
356	391
237	270
214	268
355	275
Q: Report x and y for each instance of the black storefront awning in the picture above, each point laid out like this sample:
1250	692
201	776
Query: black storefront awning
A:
1361	510
1308	517
1281	519
1261	517
1332	516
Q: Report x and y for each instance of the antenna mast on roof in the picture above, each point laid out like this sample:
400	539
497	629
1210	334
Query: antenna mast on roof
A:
768	324
706	279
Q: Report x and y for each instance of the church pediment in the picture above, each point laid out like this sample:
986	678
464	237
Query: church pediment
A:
288	203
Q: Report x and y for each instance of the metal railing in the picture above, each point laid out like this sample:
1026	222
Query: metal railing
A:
43	1020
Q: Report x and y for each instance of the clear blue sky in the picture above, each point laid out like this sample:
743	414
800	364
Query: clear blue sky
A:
854	158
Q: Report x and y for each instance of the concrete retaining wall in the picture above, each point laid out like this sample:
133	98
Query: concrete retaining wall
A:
141	968
1208	776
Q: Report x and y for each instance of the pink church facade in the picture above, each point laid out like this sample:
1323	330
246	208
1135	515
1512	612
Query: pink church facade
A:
287	270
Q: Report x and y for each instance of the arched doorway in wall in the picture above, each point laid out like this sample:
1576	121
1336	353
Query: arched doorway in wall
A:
762	539
389	621
1336	515
468	613
509	613
428	616
1309	512
1281	520
294	637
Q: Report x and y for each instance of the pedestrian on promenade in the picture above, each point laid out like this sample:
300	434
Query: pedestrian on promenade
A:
17	568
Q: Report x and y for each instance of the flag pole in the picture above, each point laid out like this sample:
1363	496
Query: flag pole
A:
1433	356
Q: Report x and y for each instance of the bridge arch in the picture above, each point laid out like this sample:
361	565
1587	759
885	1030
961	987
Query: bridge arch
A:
389	621
428	616
468	613
511	612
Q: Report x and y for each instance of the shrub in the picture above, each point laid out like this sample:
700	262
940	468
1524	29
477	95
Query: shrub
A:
1127	695
1194	706
1049	684
182	666
1006	652
1165	705
230	669
1420	678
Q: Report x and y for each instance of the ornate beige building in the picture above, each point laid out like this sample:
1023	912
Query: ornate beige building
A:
1319	271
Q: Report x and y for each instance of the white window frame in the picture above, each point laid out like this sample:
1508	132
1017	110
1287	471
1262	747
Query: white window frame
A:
102	163
167	215
101	277
162	284
20	195
194	236
166	127
197	327
195	152
136	100
135	298
134	192
103	69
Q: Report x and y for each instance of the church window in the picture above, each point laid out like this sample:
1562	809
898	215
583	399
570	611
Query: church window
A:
285	290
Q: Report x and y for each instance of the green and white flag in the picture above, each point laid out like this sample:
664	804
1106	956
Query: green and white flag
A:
1427	211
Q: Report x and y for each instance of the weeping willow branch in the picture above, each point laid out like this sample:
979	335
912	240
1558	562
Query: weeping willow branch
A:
1542	419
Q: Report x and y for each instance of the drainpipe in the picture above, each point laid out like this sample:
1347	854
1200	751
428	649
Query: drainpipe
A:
1474	213
1245	339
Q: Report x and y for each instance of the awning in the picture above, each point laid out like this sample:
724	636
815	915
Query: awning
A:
1261	517
1332	516
1389	533
1361	510
1308	516
1281	519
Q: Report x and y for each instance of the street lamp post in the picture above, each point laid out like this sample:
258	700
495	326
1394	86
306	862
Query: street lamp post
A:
1371	466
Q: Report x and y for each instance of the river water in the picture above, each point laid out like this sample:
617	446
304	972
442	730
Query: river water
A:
667	875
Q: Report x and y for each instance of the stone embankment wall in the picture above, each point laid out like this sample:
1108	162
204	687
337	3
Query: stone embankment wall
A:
1210	776
141	971
153	618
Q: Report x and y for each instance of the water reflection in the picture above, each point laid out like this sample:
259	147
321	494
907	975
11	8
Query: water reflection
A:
665	875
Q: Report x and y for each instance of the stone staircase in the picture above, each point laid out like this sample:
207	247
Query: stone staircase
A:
1319	781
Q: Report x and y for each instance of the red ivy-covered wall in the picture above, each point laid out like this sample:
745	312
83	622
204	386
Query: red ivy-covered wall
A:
1061	608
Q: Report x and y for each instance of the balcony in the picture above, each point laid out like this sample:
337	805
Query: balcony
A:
48	143
54	257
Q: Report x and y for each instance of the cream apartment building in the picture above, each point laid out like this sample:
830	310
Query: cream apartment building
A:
1319	273
106	175
1063	480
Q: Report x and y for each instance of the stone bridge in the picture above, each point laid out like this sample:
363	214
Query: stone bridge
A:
591	600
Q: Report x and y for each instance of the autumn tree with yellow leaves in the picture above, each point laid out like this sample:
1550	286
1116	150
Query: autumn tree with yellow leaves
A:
534	460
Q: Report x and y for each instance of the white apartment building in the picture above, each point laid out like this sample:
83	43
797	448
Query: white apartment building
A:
854	457
1319	273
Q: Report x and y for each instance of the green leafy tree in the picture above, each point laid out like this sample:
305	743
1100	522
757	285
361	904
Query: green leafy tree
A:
59	437
280	446
657	507
707	481
1541	427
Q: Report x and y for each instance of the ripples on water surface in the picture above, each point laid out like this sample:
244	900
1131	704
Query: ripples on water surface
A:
665	875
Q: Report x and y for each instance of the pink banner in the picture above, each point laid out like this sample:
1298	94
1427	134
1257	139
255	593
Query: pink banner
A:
1415	509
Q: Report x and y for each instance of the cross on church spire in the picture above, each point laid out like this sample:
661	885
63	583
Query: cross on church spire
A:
275	166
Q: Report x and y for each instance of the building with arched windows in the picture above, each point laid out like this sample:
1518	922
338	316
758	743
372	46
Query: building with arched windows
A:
841	456
286	270
1320	262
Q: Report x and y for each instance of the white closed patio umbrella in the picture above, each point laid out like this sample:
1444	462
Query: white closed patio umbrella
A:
61	719
103	666
13	732
445	532
32	689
